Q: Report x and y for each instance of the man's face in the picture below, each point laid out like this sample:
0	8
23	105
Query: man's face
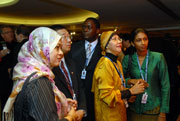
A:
7	34
66	40
90	31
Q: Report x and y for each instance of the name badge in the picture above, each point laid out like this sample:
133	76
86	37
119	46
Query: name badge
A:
126	103
144	98
74	97
83	74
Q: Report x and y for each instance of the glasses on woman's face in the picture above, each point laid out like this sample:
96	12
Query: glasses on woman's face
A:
117	39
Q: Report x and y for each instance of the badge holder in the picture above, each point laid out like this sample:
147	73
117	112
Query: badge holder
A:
126	103
83	74
144	98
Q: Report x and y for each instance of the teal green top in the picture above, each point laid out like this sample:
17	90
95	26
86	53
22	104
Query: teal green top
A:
158	80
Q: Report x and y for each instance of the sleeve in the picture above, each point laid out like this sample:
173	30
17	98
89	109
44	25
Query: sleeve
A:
125	63
82	98
165	85
107	92
42	101
125	94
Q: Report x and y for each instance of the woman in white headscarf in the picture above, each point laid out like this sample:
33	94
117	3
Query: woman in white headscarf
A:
35	96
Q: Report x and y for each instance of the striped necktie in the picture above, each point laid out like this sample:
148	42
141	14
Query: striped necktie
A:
88	50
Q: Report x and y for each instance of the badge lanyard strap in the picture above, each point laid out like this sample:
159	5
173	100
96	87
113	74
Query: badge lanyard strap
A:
122	80
88	58
147	56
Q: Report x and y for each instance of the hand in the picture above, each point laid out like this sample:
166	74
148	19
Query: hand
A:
72	103
80	114
162	117
134	81
4	52
132	99
137	88
71	116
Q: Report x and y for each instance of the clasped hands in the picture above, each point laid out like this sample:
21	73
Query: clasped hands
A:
137	86
74	114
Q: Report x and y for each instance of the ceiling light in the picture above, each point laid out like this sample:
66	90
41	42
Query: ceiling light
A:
4	3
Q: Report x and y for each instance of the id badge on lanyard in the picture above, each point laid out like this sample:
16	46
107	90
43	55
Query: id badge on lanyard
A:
144	98
145	95
83	74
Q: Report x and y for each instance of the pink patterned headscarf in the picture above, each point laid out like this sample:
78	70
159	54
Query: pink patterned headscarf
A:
34	56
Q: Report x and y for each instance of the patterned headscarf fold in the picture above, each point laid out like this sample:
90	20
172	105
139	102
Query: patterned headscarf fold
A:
34	56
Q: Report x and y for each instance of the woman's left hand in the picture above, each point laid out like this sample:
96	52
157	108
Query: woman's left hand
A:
162	117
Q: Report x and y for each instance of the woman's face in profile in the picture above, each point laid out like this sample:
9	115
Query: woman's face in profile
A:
56	55
114	45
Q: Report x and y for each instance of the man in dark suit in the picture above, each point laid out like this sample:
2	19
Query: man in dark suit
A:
86	54
6	54
65	75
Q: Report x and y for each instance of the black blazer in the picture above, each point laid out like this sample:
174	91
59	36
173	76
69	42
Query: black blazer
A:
77	85
78	54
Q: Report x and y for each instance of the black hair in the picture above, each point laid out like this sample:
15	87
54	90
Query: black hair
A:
57	27
95	21
136	31
126	36
5	26
24	30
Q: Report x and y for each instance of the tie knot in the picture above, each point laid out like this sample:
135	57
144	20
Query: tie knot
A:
89	45
62	64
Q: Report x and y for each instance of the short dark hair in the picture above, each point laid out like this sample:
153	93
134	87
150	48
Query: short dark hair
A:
4	26
95	21
22	29
57	27
126	36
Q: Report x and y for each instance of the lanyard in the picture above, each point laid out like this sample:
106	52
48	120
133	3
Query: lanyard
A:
146	69
122	79
89	58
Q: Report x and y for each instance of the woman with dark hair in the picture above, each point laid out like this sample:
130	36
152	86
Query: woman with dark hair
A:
151	67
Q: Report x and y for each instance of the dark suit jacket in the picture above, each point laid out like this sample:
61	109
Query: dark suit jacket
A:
77	85
79	56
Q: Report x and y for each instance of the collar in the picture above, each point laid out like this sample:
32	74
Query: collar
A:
93	44
112	57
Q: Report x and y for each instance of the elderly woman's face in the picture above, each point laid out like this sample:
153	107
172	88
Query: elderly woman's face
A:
114	45
56	55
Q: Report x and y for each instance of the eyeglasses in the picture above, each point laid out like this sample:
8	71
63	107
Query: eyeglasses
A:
120	39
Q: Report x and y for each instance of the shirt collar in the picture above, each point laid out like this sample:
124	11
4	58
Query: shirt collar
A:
93	44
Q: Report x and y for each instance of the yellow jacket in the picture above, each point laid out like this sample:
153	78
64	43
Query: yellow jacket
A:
106	86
